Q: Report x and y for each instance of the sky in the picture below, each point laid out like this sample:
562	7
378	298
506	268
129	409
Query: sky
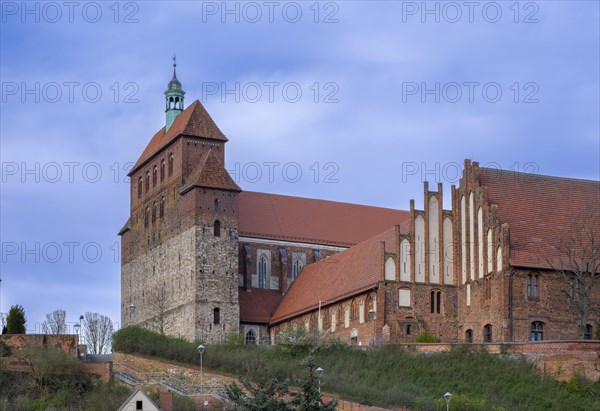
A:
353	101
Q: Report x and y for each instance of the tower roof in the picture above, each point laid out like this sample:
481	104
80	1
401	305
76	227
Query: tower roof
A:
194	121
174	84
210	173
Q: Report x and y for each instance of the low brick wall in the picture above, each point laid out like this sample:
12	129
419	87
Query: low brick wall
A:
559	359
16	342
13	344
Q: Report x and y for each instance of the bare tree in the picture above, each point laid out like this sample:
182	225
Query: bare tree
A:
579	262
98	330
55	323
158	307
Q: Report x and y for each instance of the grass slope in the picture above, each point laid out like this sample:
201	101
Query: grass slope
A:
388	376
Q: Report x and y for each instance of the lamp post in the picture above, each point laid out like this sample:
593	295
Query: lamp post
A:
447	397
201	351
131	311
81	318
319	374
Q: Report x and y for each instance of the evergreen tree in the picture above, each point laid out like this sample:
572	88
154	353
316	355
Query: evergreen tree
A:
15	323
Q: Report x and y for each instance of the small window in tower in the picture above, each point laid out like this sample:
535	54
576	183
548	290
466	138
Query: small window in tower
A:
487	333
147	181
216	204
154	176
587	335
217	316
438	302
170	164
407	329
140	184
217	228
161	212
153	212
162	170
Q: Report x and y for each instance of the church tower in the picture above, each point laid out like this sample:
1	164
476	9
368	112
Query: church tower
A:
173	98
179	265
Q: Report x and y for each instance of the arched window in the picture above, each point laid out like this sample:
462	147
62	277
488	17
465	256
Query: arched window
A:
162	170
469	336
161	211
262	272
140	184
432	302
533	283
146	216
217	228
153	212
436	302
407	329
216	316
537	331
487	333
354	311
250	338
216	204
588	332
147	181
170	165
296	268
154	176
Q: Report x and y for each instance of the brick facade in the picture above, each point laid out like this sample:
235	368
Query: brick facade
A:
464	274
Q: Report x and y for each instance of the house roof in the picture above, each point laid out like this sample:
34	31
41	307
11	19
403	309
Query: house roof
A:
137	393
279	217
538	209
335	278
194	121
210	173
258	305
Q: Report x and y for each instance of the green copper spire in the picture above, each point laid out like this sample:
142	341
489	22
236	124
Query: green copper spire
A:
174	98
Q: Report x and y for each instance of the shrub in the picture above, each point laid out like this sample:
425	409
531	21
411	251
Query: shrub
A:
425	337
234	340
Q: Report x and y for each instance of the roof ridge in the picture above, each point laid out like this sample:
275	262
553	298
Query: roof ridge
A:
537	175
324	200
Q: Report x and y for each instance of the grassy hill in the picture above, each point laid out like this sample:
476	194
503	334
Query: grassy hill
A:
388	376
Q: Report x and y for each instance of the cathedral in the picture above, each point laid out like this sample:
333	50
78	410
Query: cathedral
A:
202	259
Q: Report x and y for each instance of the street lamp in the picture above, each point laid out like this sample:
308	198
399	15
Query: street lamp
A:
447	397
201	351
319	374
131	311
81	318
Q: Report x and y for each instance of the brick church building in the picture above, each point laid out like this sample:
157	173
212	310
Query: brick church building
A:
201	258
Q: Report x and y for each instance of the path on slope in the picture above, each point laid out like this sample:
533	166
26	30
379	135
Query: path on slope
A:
185	379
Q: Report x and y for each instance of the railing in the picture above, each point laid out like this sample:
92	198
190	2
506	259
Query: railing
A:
134	376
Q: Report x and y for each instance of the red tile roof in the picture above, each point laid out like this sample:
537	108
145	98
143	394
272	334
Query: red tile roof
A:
258	305
279	217
537	208
340	276
210	173
193	121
